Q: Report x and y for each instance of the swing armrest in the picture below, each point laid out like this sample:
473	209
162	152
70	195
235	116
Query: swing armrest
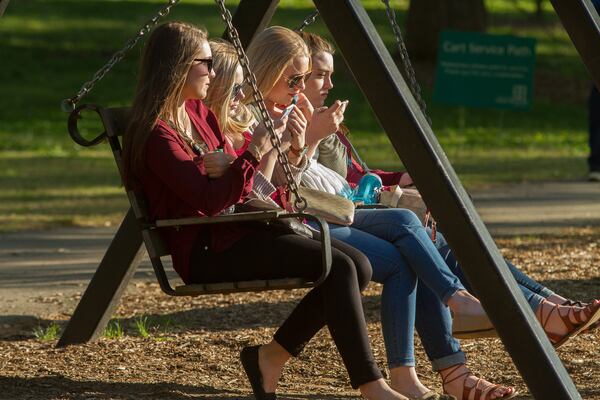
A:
324	236
220	219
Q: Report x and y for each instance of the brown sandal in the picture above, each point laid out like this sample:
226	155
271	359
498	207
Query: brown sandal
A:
478	391
578	303
591	312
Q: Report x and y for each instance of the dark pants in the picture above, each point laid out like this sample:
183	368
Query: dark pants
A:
594	129
268	253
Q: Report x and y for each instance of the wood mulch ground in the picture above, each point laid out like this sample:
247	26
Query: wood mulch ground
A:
193	344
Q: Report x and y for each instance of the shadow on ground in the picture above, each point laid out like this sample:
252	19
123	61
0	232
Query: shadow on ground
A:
247	315
55	387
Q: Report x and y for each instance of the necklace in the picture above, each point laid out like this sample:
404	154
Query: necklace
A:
186	126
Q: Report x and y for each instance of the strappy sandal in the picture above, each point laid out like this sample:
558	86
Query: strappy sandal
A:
591	312
581	304
478	391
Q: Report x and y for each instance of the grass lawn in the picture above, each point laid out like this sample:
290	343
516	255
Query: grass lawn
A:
49	48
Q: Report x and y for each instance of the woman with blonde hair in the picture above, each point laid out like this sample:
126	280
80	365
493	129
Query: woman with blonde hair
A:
227	93
171	153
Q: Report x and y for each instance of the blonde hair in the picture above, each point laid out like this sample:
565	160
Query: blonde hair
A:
218	98
316	44
166	61
271	52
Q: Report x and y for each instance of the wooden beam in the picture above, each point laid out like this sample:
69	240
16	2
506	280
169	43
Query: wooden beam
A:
3	5
580	19
106	287
251	17
414	141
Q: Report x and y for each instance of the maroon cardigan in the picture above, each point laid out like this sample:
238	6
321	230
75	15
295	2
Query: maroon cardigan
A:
176	186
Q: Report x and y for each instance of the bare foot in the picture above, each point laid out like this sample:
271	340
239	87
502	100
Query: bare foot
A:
458	377
556	299
406	381
379	390
463	302
271	359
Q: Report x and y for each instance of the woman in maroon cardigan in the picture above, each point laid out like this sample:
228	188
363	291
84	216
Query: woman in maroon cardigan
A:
171	154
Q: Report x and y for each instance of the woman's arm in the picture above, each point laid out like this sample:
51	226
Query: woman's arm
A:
174	167
333	154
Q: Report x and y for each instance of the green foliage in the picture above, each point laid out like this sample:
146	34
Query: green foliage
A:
51	332
141	324
50	47
114	330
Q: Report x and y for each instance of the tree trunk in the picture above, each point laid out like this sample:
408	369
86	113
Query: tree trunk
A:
539	12
427	18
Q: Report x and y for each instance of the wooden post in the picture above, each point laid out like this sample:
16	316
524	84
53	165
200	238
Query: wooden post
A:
3	5
251	17
580	19
106	287
414	141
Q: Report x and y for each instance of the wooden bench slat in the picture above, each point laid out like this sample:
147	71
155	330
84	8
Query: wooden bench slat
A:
242	286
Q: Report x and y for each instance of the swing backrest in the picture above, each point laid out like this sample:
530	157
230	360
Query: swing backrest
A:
115	122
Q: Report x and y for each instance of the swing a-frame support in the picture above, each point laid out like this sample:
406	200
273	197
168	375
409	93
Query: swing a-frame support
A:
3	5
417	146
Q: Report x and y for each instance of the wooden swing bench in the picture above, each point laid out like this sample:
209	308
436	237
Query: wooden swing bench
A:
115	122
124	253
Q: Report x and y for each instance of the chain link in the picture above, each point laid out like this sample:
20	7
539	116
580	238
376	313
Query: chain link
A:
300	203
69	104
308	20
408	68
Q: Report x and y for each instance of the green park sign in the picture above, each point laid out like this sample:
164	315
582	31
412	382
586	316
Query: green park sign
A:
480	70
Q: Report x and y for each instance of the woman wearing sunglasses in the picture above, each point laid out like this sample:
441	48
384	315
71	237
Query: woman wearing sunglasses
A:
171	137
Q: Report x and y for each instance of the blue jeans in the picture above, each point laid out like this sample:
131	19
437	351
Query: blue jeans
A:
399	249
434	322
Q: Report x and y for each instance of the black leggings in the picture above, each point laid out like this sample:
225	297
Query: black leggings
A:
268	253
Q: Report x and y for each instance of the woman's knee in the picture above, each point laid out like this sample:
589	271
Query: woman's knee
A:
404	216
355	268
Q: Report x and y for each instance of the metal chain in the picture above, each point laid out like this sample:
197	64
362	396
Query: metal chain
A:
408	68
300	203
69	104
308	20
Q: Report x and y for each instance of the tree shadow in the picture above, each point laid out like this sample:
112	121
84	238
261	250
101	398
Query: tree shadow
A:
247	315
51	387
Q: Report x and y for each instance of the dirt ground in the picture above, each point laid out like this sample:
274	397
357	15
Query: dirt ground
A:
193	343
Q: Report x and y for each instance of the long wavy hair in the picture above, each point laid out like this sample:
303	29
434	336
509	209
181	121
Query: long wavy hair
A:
218	98
166	61
270	53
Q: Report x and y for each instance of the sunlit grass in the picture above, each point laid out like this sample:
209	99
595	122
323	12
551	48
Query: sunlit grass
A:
49	48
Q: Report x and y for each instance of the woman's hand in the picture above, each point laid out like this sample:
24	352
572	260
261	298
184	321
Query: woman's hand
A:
406	180
261	143
305	106
216	163
296	125
325	121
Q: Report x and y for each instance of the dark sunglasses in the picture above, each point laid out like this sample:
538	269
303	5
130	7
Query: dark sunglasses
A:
206	61
295	80
237	88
